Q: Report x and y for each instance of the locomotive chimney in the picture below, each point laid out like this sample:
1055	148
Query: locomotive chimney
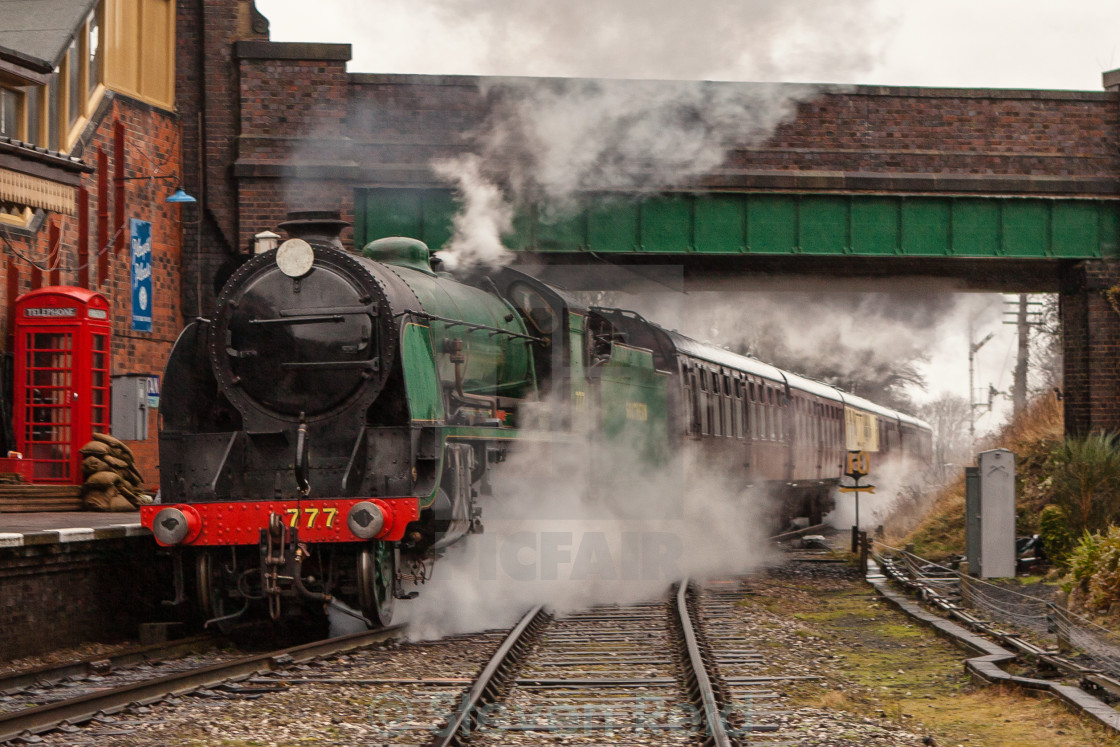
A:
322	227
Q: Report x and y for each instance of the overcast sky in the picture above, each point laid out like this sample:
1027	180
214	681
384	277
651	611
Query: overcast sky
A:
943	43
981	43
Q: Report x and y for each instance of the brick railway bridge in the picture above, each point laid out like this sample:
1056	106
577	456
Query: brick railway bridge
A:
998	190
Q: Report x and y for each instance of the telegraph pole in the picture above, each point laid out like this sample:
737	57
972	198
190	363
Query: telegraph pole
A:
972	404
1023	323
1019	393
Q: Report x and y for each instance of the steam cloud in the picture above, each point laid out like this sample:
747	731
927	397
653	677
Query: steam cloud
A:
548	140
549	541
745	39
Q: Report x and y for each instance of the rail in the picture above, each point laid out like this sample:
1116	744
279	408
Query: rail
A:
53	673
499	673
699	683
929	581
42	718
494	676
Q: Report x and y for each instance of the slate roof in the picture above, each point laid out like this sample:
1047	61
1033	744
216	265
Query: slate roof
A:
37	32
9	145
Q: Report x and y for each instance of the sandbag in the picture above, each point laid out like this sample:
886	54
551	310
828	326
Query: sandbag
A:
91	465
101	480
94	448
131	475
115	462
120	503
96	500
107	499
114	443
128	492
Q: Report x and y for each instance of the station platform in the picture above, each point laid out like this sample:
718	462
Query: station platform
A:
57	527
72	576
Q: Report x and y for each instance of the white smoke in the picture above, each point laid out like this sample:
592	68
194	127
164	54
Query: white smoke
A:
546	142
667	39
482	220
549	541
799	40
895	483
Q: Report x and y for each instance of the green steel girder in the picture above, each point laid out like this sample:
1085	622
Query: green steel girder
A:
776	224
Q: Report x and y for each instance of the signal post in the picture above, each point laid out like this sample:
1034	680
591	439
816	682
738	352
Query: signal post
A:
858	465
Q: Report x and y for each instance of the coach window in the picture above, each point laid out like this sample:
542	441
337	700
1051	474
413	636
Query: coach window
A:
745	404
705	421
760	408
781	406
768	403
693	403
779	416
725	407
775	435
721	397
752	412
714	406
772	399
737	409
764	413
719	427
758	413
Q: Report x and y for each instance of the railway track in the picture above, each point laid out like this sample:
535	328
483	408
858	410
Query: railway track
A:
30	683
70	711
680	670
597	674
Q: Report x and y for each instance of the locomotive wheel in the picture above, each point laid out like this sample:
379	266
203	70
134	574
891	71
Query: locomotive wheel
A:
208	585
376	582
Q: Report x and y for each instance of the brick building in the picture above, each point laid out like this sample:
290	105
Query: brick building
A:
90	143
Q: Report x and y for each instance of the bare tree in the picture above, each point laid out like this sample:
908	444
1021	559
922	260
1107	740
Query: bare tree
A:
948	415
1046	352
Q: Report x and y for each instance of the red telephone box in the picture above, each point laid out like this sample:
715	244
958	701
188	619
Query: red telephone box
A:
61	378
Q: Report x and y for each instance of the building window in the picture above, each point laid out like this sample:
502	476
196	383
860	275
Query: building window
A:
54	116
74	83
9	112
31	99
93	45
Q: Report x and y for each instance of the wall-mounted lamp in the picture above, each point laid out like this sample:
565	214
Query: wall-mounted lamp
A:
180	196
177	196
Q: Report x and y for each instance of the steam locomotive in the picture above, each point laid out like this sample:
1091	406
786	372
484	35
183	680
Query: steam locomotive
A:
335	424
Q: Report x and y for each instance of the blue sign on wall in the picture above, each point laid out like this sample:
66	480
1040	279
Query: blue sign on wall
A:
140	241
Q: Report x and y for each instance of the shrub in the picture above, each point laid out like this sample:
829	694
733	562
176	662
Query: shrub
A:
1083	559
1053	530
1086	481
1095	567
